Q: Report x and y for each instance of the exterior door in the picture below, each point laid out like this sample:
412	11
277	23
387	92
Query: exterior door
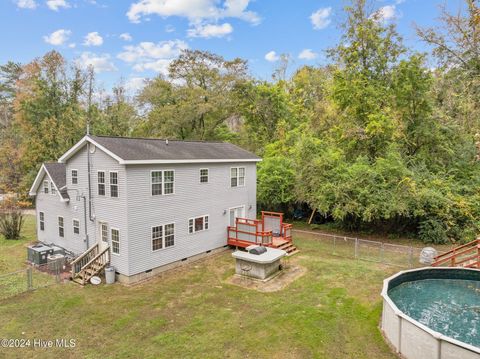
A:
103	238
234	213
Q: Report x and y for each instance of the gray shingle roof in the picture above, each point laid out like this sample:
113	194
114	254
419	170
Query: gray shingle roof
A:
58	173
137	149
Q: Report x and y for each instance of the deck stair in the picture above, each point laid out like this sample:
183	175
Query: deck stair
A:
466	256
288	247
89	264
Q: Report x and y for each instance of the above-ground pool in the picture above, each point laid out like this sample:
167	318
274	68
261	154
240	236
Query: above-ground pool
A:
433	313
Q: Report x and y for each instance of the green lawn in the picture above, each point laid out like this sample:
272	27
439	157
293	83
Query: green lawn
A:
333	311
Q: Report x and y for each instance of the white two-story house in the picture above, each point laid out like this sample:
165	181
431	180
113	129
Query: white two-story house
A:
152	203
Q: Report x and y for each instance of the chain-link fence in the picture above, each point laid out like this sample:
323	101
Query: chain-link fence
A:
363	249
30	278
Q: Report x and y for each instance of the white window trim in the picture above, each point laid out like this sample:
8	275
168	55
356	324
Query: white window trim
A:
58	226
73	226
71	176
40	221
53	189
163	184
163	237
202	230
104	183
110	184
47	187
200	175
111	241
101	223
238	177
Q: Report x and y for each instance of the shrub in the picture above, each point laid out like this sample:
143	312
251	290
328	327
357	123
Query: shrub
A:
433	231
11	219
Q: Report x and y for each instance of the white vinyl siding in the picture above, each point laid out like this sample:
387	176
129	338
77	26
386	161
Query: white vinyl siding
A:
115	233
114	184
163	236
74	177
203	175
237	177
41	216
162	182
61	229
198	224
101	183
76	226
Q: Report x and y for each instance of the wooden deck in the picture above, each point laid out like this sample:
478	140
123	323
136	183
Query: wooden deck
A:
247	232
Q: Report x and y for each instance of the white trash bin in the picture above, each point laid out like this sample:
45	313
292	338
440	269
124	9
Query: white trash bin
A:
110	275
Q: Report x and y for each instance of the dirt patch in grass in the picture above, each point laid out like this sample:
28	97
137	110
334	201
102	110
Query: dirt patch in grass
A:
279	282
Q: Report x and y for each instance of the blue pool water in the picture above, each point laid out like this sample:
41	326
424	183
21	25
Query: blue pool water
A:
448	306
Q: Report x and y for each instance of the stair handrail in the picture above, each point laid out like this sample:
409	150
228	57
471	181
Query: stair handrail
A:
454	250
99	255
454	253
85	254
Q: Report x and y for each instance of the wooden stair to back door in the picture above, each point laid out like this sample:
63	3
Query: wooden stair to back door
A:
288	247
93	267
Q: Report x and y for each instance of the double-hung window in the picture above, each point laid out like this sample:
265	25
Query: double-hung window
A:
76	226
52	187
104	232
101	183
163	236
163	182
204	175
237	176
42	220
113	184
45	187
198	224
61	229
115	241
74	177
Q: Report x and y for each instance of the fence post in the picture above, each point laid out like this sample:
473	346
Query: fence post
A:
410	257
356	247
29	279
334	243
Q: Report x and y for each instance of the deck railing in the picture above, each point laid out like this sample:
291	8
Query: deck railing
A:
467	255
80	262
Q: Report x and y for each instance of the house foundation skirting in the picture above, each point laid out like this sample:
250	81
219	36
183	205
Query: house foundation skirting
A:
140	277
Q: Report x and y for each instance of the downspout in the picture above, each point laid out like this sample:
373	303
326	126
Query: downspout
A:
85	222
89	184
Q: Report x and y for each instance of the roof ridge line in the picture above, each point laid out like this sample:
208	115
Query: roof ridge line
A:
159	139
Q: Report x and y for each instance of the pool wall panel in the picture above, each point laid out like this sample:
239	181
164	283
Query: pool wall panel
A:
412	339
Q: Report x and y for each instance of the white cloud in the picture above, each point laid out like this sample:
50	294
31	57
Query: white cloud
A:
93	39
169	28
135	84
26	4
126	36
385	13
72	45
55	5
271	56
100	63
58	37
321	18
210	30
194	10
152	56
307	54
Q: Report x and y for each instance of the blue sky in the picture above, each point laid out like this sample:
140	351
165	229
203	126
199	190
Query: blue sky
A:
136	39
